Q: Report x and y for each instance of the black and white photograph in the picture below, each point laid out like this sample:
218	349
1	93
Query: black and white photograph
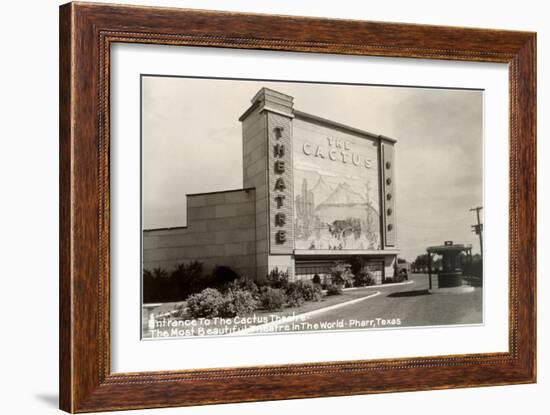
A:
273	207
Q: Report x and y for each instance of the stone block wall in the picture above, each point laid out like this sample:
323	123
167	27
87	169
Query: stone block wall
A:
255	175
221	231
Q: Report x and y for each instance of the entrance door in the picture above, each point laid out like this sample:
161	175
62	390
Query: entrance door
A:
307	269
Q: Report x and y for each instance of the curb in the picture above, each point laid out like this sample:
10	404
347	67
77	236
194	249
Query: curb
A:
393	284
294	317
452	290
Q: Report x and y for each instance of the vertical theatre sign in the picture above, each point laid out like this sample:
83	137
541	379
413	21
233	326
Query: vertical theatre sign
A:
280	187
281	212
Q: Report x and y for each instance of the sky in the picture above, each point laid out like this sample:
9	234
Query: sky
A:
191	143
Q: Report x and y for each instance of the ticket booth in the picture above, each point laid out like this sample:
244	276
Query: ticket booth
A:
450	274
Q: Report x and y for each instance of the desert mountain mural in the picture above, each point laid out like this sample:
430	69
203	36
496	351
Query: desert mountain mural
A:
335	217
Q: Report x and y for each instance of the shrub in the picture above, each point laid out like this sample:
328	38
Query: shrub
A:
186	279
272	298
357	263
222	275
308	290
277	278
302	290
237	303
243	284
205	304
363	278
193	269
294	295
157	286
334	289
316	279
341	274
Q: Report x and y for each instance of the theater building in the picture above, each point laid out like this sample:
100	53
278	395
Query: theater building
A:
314	192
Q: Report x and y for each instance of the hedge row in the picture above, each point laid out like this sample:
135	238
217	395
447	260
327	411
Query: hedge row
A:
160	286
188	279
242	296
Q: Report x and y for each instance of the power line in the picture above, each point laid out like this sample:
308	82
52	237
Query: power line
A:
478	229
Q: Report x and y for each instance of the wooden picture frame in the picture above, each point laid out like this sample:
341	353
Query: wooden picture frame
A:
86	33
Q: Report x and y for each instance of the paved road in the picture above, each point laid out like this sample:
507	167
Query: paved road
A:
412	305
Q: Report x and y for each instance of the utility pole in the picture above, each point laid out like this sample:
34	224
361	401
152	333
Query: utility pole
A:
478	229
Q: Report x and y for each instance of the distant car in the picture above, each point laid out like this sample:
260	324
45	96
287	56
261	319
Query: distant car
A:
403	270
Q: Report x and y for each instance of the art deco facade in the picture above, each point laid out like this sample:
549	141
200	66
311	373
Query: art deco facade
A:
314	192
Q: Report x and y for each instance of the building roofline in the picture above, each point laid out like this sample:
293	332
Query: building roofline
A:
347	128
250	109
263	91
266	96
221	191
168	228
256	102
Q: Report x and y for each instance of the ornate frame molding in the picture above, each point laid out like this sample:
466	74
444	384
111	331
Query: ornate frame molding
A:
86	34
